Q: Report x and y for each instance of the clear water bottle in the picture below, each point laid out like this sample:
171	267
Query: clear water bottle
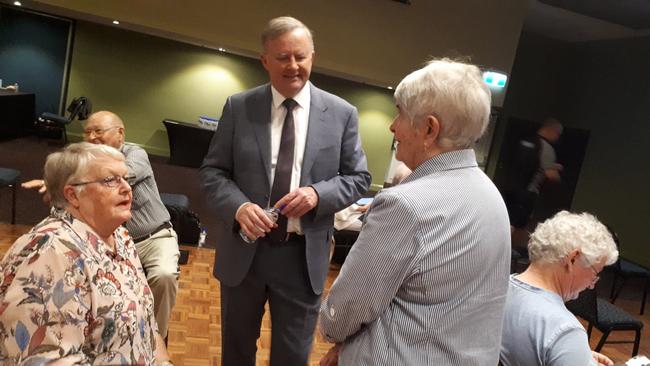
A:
202	236
272	213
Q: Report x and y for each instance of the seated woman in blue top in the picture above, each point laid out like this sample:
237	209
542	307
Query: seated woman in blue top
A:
567	252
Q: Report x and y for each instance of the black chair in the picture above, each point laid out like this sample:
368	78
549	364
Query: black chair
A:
626	269
343	242
606	318
53	124
185	222
9	178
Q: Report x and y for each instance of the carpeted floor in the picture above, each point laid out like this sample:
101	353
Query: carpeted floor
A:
28	154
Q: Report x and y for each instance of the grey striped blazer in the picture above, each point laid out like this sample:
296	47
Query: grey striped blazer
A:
426	282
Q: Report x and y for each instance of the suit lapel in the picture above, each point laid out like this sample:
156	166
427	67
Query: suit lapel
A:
261	120
315	131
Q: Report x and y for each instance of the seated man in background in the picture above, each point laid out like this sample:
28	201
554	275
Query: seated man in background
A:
426	282
566	253
149	226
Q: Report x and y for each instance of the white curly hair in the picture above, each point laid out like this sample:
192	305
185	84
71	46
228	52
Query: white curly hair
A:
558	236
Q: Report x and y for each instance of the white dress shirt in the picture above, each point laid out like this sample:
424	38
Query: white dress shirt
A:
300	124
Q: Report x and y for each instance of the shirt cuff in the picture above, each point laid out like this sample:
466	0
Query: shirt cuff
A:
240	207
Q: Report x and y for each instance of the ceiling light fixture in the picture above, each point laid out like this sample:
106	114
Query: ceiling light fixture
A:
18	3
116	22
221	49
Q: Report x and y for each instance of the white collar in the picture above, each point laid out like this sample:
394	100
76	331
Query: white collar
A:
303	97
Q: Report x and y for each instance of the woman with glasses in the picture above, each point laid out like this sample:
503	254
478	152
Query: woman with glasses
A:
72	290
567	253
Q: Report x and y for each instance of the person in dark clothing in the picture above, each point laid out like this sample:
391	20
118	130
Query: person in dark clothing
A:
535	164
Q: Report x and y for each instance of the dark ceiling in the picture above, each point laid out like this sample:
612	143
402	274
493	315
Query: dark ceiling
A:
634	14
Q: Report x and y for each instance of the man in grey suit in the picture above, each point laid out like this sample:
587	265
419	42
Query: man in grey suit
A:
291	146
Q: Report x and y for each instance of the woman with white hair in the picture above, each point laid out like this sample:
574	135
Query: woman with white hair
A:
567	253
426	281
72	290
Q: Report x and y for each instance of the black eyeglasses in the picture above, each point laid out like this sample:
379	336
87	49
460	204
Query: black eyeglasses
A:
111	182
596	274
97	131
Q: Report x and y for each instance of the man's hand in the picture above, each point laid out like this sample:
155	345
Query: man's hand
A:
601	359
40	185
331	358
253	221
298	202
552	174
363	208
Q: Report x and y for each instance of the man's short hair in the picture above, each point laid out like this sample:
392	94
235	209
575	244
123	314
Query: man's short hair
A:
281	25
114	119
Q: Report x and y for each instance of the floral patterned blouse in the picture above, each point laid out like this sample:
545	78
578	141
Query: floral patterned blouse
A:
65	294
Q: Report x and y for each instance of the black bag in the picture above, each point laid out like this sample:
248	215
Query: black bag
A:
186	224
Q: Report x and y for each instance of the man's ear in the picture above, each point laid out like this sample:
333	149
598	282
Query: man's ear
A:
70	194
264	61
120	130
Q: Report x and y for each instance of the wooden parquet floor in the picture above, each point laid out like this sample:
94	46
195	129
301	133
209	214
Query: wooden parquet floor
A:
194	330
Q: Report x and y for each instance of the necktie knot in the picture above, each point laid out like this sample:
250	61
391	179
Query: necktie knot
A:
289	104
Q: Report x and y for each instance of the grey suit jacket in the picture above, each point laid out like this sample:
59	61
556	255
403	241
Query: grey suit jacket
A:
237	169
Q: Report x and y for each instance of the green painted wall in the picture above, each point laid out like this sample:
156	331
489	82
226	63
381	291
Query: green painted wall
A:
146	79
610	96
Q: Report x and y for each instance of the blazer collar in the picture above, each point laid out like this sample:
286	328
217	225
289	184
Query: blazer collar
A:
261	121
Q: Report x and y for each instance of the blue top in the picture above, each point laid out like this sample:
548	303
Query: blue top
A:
539	330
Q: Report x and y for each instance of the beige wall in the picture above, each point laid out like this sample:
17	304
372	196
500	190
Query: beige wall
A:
376	41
